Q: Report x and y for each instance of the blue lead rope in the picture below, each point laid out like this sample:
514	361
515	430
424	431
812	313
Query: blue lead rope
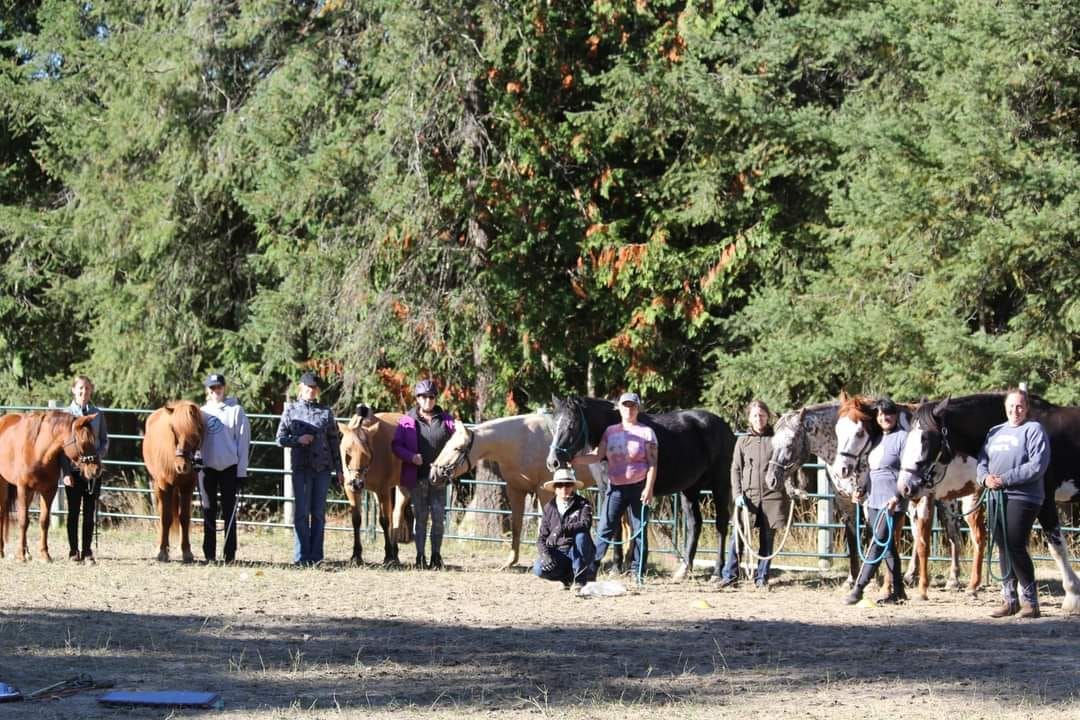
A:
873	538
995	512
639	535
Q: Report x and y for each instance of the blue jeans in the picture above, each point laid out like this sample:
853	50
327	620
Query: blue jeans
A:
428	501
575	564
619	499
734	553
309	516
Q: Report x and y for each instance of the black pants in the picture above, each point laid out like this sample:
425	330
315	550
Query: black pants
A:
1019	517
81	501
213	482
882	528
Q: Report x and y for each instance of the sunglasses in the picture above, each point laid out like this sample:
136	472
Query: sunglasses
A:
564	484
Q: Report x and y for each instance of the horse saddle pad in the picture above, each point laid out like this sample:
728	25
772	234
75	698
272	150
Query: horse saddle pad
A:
163	698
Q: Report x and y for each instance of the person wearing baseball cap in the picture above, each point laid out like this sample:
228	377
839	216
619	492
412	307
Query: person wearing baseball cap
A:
419	438
631	450
564	548
309	429
225	449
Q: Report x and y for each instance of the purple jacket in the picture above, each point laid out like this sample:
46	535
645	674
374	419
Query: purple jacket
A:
407	443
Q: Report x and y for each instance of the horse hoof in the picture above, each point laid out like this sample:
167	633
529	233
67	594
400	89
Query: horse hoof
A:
356	561
680	572
924	597
952	585
1071	604
909	580
973	594
189	558
162	556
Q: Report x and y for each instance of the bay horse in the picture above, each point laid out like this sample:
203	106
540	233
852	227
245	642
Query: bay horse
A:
31	446
173	434
958	426
370	464
519	444
856	432
695	450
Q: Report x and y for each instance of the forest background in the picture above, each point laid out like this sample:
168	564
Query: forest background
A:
701	201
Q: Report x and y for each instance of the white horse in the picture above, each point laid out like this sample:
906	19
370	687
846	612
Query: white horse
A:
519	444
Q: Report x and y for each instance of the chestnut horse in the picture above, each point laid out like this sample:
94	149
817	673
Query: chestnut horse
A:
173	434
30	449
7	500
370	464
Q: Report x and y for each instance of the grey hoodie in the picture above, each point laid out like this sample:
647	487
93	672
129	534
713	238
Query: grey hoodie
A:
1020	456
228	436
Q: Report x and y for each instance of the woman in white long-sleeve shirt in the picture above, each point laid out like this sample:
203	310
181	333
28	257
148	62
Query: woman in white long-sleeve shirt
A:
225	462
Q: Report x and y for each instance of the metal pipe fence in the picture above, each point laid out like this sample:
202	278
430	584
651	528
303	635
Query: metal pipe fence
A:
823	531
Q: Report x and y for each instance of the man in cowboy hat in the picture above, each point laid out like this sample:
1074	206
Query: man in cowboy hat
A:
565	548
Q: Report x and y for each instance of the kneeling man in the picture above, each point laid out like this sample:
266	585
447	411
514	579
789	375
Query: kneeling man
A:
565	547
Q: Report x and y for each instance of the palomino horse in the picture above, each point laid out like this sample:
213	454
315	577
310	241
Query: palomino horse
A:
958	427
519	444
856	432
695	449
370	464
30	449
173	434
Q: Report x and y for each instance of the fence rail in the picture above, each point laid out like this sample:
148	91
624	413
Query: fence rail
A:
278	506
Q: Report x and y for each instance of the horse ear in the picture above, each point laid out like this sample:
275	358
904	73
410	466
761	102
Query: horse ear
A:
85	420
940	408
370	424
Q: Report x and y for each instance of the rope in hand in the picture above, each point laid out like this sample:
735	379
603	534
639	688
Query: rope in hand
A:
742	528
873	538
995	512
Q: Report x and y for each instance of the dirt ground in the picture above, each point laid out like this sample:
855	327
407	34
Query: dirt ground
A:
278	642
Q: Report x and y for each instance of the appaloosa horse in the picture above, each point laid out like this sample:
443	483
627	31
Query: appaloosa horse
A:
695	449
856	432
370	464
31	446
958	426
519	444
173	434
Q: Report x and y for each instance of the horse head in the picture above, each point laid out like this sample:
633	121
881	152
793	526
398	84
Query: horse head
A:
356	449
855	431
455	454
81	447
926	450
570	434
788	450
188	428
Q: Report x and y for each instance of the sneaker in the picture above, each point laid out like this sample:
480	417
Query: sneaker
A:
891	599
1005	609
1029	610
74	556
728	582
421	562
436	562
761	586
88	557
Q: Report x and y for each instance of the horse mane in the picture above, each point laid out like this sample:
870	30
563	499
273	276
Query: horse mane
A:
186	419
856	408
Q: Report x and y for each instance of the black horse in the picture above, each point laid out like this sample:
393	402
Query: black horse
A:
958	426
695	449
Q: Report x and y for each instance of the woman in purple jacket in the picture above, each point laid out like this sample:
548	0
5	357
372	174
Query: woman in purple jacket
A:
420	436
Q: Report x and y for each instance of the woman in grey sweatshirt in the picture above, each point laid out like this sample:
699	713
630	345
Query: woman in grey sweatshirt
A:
1014	459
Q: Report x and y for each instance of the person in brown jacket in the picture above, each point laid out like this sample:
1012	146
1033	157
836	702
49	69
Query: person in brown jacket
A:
767	506
564	547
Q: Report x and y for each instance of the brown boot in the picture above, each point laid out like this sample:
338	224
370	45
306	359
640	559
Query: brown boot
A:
1005	610
1029	610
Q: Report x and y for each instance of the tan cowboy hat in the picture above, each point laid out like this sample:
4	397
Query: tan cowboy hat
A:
563	475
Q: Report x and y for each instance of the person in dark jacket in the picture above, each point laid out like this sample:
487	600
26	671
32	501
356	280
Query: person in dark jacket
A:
564	548
419	438
767	506
311	432
1013	460
82	494
887	505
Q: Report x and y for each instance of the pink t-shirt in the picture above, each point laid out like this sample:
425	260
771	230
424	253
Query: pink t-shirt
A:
627	453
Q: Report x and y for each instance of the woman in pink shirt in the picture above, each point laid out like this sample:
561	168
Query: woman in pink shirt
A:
631	450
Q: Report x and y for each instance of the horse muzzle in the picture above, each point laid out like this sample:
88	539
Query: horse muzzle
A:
89	466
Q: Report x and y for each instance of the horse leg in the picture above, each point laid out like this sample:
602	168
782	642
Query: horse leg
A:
976	523
386	514
912	573
44	518
357	558
516	497
25	497
1048	518
851	541
164	503
691	504
185	523
950	523
924	526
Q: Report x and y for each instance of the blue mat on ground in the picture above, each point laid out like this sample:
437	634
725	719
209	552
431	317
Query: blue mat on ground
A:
9	693
163	698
